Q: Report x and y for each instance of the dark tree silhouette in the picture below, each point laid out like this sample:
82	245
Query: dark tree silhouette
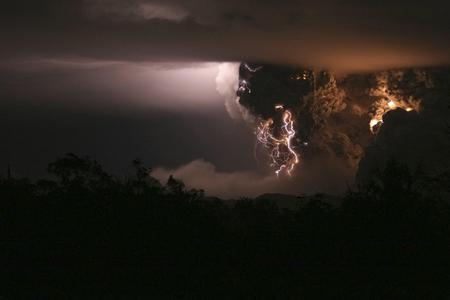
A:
87	234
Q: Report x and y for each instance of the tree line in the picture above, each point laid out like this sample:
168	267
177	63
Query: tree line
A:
87	234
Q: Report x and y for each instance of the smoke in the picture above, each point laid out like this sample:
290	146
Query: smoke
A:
310	179
227	83
334	117
389	99
201	174
331	117
419	140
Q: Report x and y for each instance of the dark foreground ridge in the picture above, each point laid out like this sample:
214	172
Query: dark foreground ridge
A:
89	235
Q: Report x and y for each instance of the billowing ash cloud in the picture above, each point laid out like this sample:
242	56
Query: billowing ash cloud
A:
419	140
332	115
227	84
357	119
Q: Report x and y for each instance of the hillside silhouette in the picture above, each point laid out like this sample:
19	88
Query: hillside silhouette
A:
86	234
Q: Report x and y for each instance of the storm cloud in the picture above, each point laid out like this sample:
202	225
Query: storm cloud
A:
341	35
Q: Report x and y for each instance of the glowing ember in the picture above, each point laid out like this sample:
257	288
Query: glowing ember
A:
387	103
283	156
383	106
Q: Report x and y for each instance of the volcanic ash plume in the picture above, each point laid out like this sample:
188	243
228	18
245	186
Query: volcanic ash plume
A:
227	85
311	100
326	118
388	99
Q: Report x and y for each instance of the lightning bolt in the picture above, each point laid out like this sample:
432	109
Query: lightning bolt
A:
250	69
282	154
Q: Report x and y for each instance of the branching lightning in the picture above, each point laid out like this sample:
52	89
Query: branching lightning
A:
250	69
275	136
282	154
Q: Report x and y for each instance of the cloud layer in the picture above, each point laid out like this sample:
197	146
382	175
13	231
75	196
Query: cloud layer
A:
342	35
318	176
112	85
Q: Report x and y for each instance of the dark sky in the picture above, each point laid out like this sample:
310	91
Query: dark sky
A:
339	34
138	78
166	115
